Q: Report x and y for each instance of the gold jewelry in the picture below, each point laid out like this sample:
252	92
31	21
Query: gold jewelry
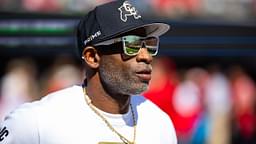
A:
125	140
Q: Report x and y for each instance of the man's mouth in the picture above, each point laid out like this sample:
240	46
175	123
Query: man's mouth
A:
144	75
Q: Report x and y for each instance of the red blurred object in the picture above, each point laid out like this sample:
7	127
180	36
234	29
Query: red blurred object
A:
162	85
41	5
246	124
182	101
166	6
244	103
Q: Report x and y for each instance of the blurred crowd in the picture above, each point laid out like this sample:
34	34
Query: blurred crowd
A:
238	10
206	105
25	81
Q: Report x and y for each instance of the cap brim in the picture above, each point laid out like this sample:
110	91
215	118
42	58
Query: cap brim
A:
152	29
156	29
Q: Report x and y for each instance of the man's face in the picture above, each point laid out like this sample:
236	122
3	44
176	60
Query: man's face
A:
122	74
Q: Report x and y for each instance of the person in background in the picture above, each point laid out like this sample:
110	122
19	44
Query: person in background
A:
243	122
63	73
218	106
163	83
18	85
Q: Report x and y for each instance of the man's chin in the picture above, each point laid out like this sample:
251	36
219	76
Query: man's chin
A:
140	89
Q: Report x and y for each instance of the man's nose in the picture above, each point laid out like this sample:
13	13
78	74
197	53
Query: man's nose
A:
144	56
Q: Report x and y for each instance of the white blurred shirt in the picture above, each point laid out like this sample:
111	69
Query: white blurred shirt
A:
64	117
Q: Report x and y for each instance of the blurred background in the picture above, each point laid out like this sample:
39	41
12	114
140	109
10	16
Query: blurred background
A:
204	76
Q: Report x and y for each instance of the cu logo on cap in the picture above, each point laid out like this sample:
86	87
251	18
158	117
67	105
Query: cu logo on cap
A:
128	10
3	133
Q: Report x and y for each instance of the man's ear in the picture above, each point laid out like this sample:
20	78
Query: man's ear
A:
91	57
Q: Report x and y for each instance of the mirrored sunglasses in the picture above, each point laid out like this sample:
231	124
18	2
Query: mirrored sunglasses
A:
132	44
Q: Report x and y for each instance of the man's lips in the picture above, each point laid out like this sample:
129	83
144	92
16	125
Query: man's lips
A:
144	75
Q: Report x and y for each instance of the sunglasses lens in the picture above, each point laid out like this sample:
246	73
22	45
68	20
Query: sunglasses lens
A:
132	50
152	45
132	45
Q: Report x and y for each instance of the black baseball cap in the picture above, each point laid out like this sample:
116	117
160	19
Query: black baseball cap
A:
110	20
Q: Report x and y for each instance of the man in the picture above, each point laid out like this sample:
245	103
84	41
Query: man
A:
117	48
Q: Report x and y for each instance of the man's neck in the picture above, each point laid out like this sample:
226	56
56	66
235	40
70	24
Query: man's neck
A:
116	104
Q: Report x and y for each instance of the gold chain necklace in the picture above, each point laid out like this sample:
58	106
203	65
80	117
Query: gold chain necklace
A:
125	140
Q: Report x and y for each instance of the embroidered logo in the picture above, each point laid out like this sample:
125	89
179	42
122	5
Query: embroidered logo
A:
3	133
128	10
90	38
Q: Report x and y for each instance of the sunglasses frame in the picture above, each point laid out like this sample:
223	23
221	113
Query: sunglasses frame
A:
143	41
122	39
